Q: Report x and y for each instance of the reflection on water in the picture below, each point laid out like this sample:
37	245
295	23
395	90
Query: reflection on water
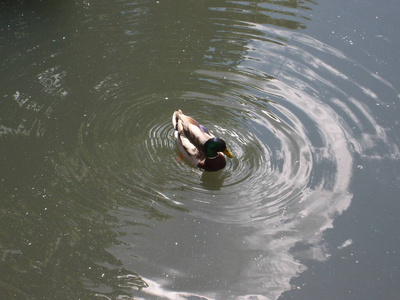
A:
95	201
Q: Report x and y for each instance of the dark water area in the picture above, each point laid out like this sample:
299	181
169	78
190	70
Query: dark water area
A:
94	203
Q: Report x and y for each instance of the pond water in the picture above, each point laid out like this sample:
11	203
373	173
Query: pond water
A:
94	203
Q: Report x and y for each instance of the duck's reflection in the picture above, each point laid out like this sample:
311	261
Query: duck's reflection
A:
213	180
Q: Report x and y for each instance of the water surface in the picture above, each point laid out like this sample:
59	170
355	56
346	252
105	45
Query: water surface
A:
95	203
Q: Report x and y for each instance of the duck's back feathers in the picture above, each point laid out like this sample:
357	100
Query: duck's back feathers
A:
188	142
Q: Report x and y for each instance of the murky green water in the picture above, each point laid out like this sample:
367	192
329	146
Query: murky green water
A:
95	205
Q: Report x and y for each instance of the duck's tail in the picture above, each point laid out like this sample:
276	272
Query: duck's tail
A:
175	117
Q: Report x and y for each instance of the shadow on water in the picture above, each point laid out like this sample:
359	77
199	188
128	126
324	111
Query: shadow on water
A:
212	180
89	165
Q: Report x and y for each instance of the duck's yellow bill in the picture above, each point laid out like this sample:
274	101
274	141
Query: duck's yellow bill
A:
228	153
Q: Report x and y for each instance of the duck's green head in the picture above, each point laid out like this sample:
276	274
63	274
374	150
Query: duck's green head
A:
215	145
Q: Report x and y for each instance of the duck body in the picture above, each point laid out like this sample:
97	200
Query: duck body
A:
197	145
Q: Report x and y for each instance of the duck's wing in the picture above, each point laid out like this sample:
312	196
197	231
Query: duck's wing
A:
204	130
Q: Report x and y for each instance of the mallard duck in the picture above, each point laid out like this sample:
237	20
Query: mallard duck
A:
197	145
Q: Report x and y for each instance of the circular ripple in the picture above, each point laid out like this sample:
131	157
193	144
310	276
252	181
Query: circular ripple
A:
272	165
